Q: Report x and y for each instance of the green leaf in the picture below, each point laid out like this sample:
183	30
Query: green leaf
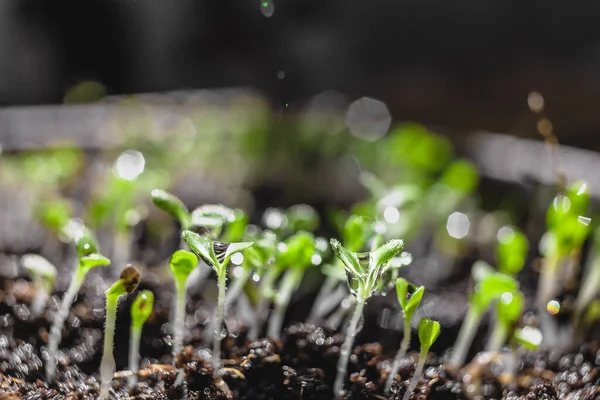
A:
236	229
297	251
356	231
510	307
141	308
302	217
409	305
490	288
528	337
92	260
86	244
578	194
201	246
512	250
461	175
172	205
348	258
384	253
429	331
235	248
182	263
54	214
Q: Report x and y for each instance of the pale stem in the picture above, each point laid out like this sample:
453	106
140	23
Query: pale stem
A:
498	337
589	287
290	282
121	250
335	319
342	365
232	294
179	325
263	304
107	366
41	296
547	282
322	304
465	338
417	375
399	355
59	321
216	355
135	336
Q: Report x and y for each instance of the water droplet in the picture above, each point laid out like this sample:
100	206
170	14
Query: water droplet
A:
553	307
584	220
391	214
129	165
458	225
237	258
273	218
368	119
535	101
256	277
561	203
267	8
506	234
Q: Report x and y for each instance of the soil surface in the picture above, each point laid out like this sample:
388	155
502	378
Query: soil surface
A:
301	365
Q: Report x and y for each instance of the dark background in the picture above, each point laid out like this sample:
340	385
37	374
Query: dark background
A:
461	64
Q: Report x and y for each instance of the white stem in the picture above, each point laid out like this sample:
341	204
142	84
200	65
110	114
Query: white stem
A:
342	365
322	304
335	320
498	337
232	295
41	296
399	355
59	321
589	286
263	305
121	250
416	376
290	283
135	336
216	354
547	283
466	334
179	326
107	366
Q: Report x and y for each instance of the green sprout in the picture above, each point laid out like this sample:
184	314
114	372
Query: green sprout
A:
127	283
182	264
489	289
363	281
297	253
508	310
429	331
590	285
409	297
512	249
141	309
217	255
172	205
89	257
44	275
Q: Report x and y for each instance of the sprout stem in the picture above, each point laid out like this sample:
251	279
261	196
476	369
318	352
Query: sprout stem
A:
59	321
41	296
179	325
216	355
291	281
342	365
232	294
465	337
547	282
498	337
324	300
107	367
263	305
399	355
135	336
418	373
589	289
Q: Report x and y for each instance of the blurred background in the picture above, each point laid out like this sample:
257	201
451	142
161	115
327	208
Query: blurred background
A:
439	119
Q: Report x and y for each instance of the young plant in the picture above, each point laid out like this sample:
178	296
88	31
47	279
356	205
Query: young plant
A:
491	287
44	275
89	257
217	255
363	281
182	264
298	253
141	309
512	249
409	301
172	205
429	331
508	310
128	282
590	285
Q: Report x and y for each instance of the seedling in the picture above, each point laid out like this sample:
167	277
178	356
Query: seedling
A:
89	257
508	310
128	282
172	205
429	331
590	285
217	255
409	301
297	254
141	309
43	274
512	249
363	281
491	287
182	264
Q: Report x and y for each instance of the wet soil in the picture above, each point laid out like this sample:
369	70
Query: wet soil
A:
299	366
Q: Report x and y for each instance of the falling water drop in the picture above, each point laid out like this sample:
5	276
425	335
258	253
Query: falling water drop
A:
267	8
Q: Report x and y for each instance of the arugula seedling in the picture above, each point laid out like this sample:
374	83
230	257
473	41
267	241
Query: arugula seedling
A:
491	287
217	255
363	281
429	331
297	253
141	309
128	282
44	275
508	310
89	257
409	301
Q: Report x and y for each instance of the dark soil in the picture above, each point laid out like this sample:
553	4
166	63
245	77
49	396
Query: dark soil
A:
301	366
